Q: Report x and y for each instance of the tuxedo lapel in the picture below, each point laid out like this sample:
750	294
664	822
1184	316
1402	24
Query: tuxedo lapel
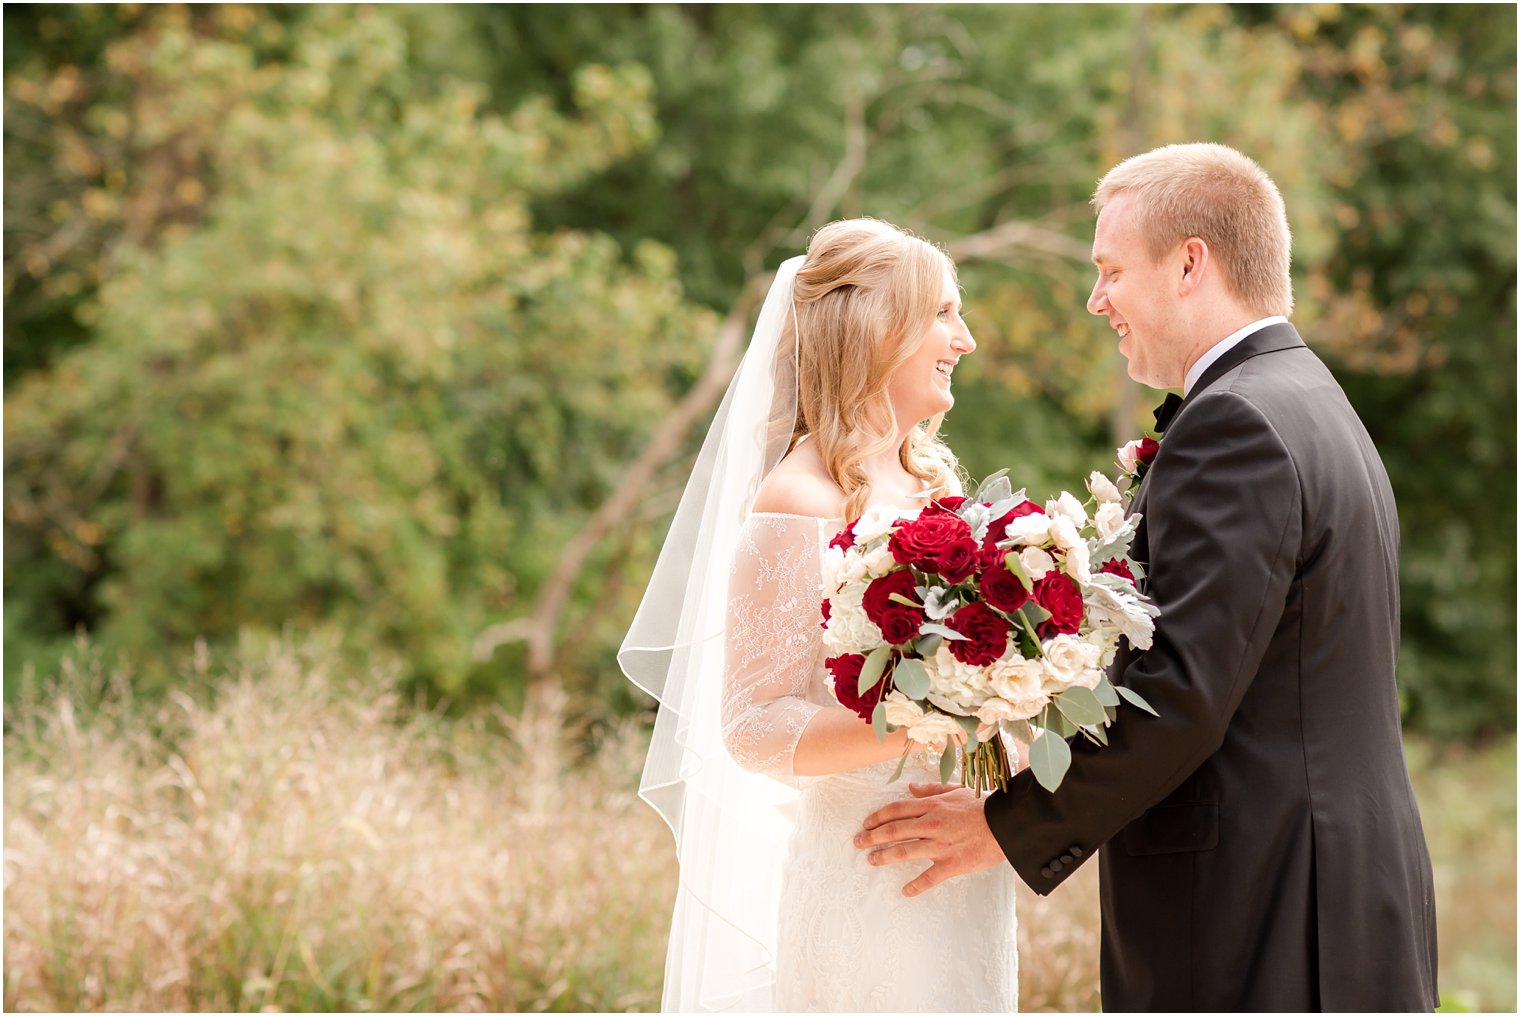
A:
1270	339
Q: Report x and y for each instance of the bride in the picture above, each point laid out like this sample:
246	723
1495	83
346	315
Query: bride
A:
762	776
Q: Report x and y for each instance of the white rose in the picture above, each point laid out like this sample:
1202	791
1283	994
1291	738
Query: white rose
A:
900	710
1031	530
934	729
1071	661
1129	459
999	710
1109	520
1102	488
1020	685
1036	562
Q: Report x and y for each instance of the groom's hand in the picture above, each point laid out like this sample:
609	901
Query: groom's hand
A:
941	823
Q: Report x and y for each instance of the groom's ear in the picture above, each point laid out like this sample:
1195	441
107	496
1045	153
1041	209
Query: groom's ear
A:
1195	260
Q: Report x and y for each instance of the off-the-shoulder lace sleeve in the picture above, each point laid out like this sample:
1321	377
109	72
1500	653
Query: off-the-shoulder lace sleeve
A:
775	644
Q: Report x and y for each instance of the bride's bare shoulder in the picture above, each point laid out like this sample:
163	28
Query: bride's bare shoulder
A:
799	485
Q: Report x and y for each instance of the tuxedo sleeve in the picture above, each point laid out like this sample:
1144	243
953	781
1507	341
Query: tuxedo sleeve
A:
1223	526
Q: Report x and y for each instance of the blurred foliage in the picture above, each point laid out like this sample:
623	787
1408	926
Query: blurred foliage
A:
354	315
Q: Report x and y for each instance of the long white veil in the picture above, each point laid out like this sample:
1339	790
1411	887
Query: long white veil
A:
731	826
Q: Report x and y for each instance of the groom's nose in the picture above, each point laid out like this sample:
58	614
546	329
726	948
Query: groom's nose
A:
1097	300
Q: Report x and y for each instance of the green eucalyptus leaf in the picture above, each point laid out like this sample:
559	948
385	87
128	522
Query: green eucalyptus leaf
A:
947	763
911	678
1106	694
902	760
871	670
1080	706
1049	757
879	721
928	645
900	598
1134	699
930	628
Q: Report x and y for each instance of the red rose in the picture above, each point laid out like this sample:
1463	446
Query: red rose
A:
986	635
846	671
919	542
1061	596
1000	587
845	538
958	561
825	623
1147	451
937	542
1120	567
898	621
945	505
998	529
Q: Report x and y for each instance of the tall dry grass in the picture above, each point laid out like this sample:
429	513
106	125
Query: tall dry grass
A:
300	844
303	842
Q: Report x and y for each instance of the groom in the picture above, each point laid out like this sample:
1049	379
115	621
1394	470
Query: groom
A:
1261	846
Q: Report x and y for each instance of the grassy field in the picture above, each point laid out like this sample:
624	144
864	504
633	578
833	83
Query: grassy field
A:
304	843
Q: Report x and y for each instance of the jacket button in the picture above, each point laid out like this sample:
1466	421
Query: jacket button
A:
1077	852
1066	859
1055	865
1047	872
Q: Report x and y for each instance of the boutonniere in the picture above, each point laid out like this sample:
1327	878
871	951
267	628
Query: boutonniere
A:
1135	458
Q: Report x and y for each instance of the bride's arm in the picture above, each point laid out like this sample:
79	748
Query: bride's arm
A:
773	652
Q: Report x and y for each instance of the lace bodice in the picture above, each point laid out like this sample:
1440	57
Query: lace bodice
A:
773	680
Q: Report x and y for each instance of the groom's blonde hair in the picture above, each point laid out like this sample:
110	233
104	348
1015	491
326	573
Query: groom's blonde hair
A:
864	300
1219	195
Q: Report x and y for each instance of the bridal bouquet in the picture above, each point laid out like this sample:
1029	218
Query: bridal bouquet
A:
982	615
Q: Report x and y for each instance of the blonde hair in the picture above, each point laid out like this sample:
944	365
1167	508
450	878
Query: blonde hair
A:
1219	195
864	300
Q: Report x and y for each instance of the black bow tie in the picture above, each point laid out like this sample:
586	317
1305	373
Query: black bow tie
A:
1166	411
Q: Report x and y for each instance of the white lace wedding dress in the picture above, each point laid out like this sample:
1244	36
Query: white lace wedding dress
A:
848	939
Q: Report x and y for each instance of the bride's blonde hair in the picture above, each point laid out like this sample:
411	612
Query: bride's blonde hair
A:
865	298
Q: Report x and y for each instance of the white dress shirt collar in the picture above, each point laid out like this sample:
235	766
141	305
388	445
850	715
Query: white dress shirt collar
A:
1223	346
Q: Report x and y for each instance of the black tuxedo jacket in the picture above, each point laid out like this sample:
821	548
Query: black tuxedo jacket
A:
1262	849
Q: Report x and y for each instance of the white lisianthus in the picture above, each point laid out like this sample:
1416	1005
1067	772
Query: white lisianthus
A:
1072	661
850	630
1064	534
1109	519
879	562
1129	456
878	520
1103	488
1068	507
954	686
1079	563
1030	530
1036	562
1020	685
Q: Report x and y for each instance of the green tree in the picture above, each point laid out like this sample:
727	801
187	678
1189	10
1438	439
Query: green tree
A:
356	387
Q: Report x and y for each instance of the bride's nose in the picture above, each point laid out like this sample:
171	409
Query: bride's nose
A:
963	343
